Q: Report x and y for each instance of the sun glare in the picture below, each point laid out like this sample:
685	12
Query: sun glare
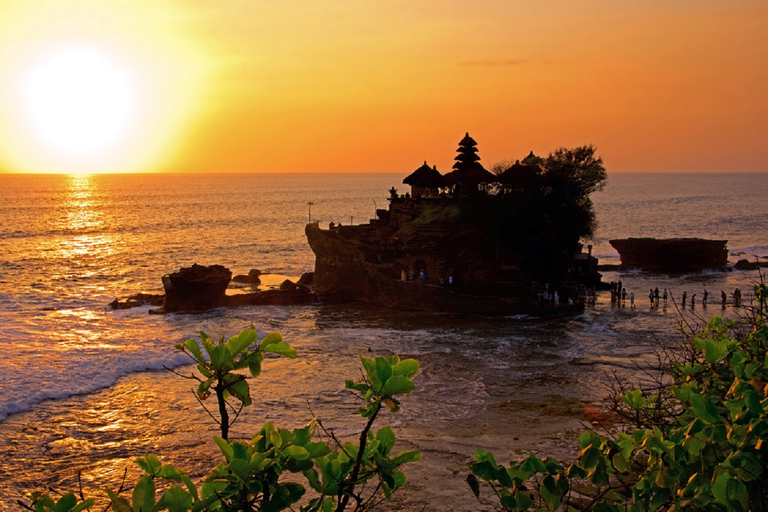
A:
80	101
108	87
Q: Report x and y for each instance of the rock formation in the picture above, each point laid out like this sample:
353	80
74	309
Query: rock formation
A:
676	255
196	288
745	264
253	277
199	288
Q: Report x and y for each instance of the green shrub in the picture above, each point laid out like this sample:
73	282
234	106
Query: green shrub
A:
253	474
698	443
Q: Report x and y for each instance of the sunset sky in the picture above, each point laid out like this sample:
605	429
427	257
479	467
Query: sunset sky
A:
351	85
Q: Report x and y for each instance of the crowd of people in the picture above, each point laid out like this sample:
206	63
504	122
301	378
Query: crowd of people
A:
619	295
571	294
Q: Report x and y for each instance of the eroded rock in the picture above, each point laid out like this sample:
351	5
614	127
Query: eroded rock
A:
252	278
196	288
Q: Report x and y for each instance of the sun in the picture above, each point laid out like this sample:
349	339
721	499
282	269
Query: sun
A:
80	101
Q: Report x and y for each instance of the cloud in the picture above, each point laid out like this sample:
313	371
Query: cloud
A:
505	62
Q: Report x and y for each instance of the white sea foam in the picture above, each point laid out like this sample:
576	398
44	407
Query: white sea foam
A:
83	378
760	251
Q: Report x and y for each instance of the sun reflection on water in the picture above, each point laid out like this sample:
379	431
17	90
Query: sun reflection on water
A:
81	204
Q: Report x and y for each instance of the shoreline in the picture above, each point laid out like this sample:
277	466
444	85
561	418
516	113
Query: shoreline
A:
438	479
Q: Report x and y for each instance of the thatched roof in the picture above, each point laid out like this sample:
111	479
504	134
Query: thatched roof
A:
425	177
519	175
470	175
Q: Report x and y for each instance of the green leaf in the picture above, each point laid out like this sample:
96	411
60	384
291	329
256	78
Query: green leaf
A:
505	478
241	391
474	484
704	408
208	344
84	505
240	467
169	472
406	368
711	351
281	348
66	503
737	494
317	449
272	337
213	488
408	456
665	477
150	464
533	464
203	368
236	344
585	439
589	457
177	500
369	365
190	486
225	448
620	463
753	402
221	359
719	488
634	399
118	504
551	493
397	385
297	452
143	496
383	370
194	349
523	500
387	439
485	470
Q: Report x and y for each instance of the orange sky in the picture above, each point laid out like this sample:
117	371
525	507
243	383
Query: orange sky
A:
349	85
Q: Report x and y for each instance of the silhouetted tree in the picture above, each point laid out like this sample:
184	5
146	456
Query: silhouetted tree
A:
544	209
575	173
499	167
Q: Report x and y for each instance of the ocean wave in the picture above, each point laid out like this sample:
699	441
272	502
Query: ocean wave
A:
95	380
761	251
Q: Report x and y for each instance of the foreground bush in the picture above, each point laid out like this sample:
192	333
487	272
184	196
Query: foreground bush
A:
252	476
697	443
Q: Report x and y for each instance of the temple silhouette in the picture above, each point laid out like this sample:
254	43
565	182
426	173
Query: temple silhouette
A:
468	241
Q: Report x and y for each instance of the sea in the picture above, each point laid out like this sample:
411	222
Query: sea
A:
84	390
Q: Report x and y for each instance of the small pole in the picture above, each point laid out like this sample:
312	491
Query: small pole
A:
309	214
350	220
374	207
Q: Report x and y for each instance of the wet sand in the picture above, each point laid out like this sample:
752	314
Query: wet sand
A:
100	434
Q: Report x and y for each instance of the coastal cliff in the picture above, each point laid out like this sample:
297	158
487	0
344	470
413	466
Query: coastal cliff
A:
443	264
347	268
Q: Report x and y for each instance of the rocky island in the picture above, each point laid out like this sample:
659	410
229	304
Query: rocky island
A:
471	241
675	255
